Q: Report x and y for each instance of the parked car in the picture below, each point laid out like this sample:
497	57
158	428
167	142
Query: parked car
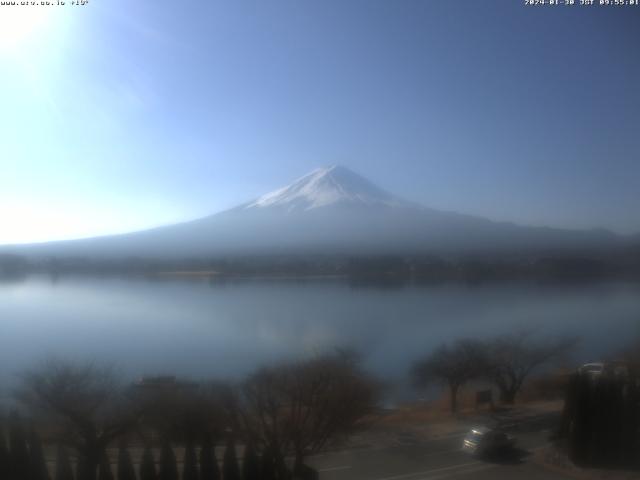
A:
591	369
485	441
612	369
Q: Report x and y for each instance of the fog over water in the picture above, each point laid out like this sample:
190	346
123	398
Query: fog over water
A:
204	329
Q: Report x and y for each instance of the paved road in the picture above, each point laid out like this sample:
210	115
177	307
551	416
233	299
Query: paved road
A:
438	459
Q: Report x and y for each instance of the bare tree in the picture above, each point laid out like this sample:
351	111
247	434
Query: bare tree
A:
454	365
183	411
84	403
329	398
301	408
512	358
259	408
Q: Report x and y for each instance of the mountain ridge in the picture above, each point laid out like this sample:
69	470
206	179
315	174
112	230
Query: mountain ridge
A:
329	210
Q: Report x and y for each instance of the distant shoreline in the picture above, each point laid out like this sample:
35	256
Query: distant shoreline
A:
223	276
187	273
363	269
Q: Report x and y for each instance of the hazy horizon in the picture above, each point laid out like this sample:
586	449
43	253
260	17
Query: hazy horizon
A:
275	190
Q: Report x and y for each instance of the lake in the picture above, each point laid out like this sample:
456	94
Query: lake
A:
202	329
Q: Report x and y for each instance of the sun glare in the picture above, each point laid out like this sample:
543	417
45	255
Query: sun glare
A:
18	24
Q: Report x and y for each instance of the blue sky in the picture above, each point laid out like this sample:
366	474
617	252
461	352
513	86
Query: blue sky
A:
121	115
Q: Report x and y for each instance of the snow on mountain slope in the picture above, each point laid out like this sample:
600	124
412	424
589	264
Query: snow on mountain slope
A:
327	186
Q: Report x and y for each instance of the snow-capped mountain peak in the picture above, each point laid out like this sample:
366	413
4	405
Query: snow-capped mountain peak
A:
331	210
334	185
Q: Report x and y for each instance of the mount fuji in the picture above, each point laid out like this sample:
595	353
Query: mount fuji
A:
329	211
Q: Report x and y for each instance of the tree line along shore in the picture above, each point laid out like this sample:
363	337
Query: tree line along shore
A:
360	269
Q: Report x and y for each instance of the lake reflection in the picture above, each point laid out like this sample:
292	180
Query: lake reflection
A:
203	329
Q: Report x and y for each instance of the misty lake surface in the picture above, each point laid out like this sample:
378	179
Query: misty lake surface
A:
203	329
